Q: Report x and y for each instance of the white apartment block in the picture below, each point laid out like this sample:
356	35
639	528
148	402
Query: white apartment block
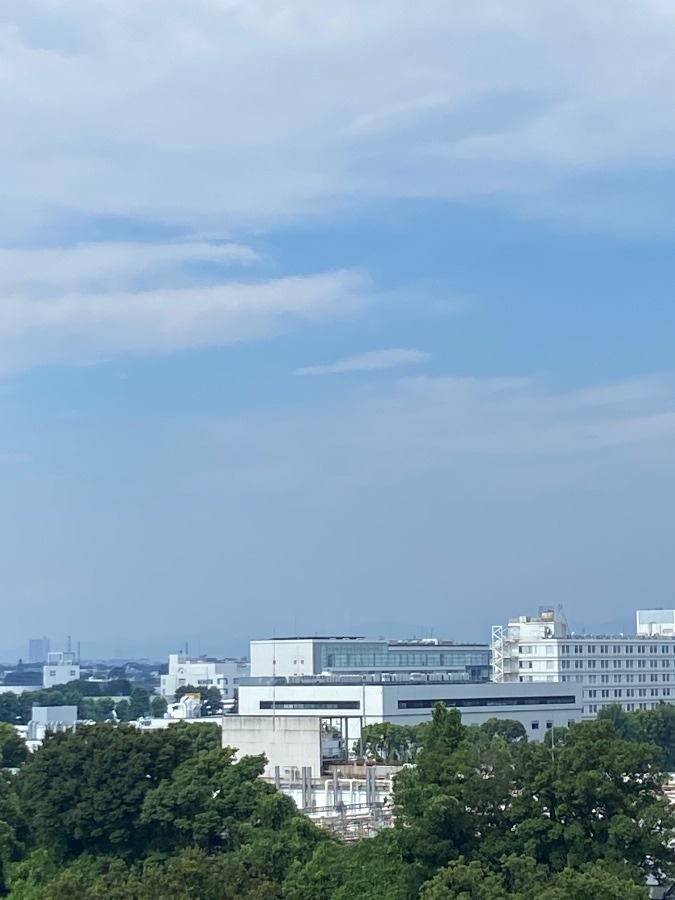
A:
203	672
635	671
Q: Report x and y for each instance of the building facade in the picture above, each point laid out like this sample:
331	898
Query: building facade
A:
60	668
354	702
300	656
637	672
203	672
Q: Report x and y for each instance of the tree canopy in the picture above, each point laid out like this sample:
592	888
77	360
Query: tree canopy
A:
109	812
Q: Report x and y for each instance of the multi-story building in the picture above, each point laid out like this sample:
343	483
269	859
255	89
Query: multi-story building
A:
635	671
60	668
297	656
38	650
203	672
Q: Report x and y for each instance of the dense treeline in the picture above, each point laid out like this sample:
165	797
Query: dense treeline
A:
95	701
655	726
111	812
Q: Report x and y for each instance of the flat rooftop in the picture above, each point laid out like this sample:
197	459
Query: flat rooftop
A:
392	642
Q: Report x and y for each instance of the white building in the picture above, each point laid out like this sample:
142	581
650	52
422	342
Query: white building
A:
60	668
203	672
298	656
356	702
45	719
637	672
653	622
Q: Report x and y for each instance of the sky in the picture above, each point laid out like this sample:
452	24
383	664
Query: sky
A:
333	318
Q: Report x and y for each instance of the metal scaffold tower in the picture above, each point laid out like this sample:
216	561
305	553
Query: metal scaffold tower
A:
498	666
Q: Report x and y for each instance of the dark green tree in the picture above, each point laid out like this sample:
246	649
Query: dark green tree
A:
123	710
372	869
158	706
139	704
83	791
593	797
13	751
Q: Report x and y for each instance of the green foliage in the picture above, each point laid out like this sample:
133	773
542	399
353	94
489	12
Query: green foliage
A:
596	797
390	743
158	707
655	726
16	708
113	813
207	802
139	704
522	878
12	748
84	790
370	870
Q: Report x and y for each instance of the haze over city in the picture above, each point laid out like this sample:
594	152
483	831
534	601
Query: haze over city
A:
387	350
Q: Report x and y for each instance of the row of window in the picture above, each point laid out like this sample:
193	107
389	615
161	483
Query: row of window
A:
376	657
618	649
651	649
618	693
616	679
628	707
616	664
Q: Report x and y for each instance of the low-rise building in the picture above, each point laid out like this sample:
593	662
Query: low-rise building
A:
298	656
354	702
203	672
60	668
46	719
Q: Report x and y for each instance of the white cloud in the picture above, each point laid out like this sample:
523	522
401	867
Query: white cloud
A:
241	113
74	327
108	266
368	362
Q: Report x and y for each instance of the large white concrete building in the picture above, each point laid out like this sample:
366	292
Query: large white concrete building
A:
298	656
203	672
353	702
635	671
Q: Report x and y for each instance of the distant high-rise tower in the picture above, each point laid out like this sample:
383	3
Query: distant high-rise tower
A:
38	650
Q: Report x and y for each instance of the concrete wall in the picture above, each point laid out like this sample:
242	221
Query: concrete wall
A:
54	715
283	657
287	741
53	674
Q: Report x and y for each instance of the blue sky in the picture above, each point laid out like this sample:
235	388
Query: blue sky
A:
333	318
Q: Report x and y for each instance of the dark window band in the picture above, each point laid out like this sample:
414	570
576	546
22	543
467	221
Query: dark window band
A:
310	704
489	701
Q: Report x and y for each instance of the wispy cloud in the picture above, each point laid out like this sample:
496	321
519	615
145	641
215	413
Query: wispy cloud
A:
79	326
110	265
371	361
486	102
